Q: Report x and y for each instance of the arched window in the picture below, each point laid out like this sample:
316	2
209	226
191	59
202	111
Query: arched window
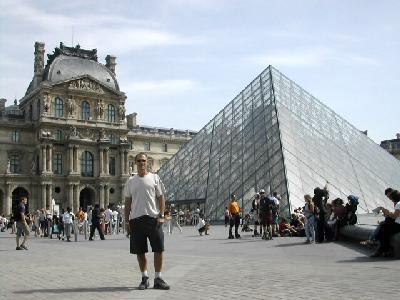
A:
110	113
58	163
85	106
14	163
87	164
163	161
59	108
113	139
150	164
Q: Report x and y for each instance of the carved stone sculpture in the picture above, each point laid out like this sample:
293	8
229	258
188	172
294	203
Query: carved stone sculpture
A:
46	103
70	105
100	109
121	111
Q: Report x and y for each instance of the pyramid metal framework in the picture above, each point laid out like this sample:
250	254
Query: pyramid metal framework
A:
276	136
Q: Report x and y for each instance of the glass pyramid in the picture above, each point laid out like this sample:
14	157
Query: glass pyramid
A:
276	136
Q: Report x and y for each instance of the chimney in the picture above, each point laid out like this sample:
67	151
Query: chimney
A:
39	63
110	63
2	105
131	120
398	136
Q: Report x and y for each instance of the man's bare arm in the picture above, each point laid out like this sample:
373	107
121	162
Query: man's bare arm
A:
161	203
127	210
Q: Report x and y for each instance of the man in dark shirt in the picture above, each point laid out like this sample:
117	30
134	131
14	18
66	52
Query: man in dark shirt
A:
22	225
96	223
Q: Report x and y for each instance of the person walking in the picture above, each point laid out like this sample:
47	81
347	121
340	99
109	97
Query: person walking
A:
144	208
22	224
174	222
309	219
226	214
68	219
234	211
96	216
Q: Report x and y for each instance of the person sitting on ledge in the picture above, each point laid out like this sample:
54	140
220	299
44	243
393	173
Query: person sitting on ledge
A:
390	226
285	229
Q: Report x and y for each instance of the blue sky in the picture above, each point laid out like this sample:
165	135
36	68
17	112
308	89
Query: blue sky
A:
181	61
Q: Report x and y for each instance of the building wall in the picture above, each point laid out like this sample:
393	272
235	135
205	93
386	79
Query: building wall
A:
392	146
38	126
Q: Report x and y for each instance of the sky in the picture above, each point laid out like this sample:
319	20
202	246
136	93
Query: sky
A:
181	61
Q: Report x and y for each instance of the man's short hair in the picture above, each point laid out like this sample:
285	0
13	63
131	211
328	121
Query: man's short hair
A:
140	154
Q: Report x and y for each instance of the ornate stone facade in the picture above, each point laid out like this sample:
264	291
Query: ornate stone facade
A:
68	138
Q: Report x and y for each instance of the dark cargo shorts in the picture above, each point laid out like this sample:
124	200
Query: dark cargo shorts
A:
144	228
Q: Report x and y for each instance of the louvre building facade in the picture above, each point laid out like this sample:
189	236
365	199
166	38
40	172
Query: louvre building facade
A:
276	136
68	141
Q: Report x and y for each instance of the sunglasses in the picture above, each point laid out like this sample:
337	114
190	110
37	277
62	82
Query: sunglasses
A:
141	160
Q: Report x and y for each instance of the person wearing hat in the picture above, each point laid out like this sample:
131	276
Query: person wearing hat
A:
266	205
255	209
234	211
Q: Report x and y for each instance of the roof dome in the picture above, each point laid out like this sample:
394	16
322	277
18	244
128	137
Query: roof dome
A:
65	67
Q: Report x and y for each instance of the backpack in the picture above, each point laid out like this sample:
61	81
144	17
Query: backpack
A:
266	204
17	213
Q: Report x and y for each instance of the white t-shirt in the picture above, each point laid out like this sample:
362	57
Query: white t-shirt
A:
115	215
107	215
67	218
201	224
144	192
397	207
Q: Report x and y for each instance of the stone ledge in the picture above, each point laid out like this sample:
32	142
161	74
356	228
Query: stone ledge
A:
360	233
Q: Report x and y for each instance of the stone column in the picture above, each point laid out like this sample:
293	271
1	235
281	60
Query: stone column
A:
122	163
49	196
107	160
7	200
70	196
70	159
76	198
75	155
126	162
101	190
43	200
47	158
106	195
44	159
101	162
50	158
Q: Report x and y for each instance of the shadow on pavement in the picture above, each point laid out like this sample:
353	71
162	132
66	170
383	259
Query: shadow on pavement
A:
292	244
366	259
79	290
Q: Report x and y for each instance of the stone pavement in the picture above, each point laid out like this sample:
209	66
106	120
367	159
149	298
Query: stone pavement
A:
197	267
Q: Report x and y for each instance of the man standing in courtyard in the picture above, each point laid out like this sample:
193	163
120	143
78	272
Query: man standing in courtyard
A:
234	211
22	225
144	208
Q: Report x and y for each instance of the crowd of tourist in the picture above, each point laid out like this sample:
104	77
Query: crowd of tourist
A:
45	224
318	220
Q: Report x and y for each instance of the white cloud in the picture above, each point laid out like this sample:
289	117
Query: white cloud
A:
126	39
172	86
118	33
311	57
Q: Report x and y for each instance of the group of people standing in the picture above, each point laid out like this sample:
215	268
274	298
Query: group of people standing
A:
24	224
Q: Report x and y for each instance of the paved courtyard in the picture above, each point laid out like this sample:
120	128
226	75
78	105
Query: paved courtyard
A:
197	267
